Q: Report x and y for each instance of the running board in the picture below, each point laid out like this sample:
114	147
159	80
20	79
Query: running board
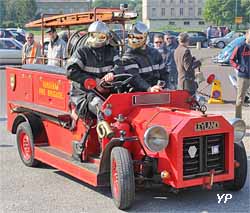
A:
86	172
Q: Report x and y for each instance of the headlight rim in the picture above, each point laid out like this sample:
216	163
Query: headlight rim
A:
146	134
233	122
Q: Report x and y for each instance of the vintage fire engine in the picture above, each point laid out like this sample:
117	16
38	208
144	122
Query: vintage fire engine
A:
142	137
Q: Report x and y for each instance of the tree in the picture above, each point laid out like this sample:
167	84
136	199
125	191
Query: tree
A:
19	12
223	12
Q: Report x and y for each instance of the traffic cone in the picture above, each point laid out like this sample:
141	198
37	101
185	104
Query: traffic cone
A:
216	93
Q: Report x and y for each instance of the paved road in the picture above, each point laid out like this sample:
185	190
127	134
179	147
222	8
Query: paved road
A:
46	189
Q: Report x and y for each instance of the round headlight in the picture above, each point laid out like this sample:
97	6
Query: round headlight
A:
156	138
239	129
200	99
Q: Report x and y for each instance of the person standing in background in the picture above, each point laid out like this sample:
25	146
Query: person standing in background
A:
170	46
31	51
240	60
186	65
56	49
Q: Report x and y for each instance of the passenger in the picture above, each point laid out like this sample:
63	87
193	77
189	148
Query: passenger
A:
186	65
31	51
143	62
95	61
56	49
170	46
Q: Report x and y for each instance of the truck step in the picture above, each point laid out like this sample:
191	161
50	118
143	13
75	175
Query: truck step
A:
87	172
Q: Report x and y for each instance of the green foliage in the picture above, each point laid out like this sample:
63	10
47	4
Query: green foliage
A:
222	12
18	12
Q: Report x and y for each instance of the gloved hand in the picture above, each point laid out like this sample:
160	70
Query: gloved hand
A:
155	88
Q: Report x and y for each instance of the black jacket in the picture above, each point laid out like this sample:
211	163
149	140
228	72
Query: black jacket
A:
146	65
86	63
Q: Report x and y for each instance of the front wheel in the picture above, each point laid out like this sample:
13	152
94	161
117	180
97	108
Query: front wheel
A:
25	144
240	172
122	178
220	44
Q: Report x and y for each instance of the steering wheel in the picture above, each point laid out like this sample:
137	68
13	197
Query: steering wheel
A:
119	81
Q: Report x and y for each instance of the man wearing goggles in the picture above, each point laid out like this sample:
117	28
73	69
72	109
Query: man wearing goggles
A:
95	60
143	62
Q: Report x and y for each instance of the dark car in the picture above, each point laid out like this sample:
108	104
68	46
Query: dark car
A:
10	34
196	36
172	33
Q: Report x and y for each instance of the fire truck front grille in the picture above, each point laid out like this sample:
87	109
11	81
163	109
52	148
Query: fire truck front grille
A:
203	154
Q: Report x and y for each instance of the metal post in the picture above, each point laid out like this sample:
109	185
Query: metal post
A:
2	93
236	12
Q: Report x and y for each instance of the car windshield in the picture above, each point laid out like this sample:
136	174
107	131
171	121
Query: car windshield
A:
229	35
236	41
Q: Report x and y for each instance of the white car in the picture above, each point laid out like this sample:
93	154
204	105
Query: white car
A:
10	51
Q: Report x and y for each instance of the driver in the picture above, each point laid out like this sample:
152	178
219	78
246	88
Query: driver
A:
143	62
95	60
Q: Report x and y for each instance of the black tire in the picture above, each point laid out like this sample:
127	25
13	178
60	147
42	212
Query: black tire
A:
27	156
240	173
123	187
220	44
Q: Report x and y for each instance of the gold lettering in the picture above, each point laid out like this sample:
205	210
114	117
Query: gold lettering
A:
41	91
55	94
50	85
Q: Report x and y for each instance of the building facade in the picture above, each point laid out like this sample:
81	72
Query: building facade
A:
62	6
179	13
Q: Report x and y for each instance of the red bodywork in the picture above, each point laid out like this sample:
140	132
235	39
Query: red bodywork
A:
47	93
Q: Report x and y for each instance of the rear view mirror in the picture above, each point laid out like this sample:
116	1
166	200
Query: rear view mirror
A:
210	78
90	83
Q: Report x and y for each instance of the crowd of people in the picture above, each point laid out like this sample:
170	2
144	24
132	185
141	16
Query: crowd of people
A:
216	32
168	61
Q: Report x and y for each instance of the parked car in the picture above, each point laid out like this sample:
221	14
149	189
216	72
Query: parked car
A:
223	41
10	51
19	30
173	33
224	55
196	36
4	33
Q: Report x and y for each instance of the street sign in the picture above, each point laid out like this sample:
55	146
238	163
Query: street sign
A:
238	20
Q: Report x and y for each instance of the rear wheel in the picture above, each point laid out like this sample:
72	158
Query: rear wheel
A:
240	172
122	178
25	144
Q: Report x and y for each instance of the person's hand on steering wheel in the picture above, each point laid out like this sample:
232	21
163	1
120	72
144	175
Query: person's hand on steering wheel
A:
155	88
108	77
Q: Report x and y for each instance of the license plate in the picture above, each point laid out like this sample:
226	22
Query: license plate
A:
215	150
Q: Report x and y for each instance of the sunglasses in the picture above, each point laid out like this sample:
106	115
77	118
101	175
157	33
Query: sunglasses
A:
135	36
158	42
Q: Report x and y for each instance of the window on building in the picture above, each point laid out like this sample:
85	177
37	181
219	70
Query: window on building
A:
171	23
172	11
163	1
199	11
171	1
190	1
163	12
191	12
181	1
181	11
186	23
201	23
153	12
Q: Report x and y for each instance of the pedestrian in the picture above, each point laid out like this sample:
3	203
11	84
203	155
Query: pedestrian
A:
56	49
170	46
31	52
186	65
209	32
240	60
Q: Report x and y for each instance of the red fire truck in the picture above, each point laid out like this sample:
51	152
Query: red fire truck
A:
165	137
